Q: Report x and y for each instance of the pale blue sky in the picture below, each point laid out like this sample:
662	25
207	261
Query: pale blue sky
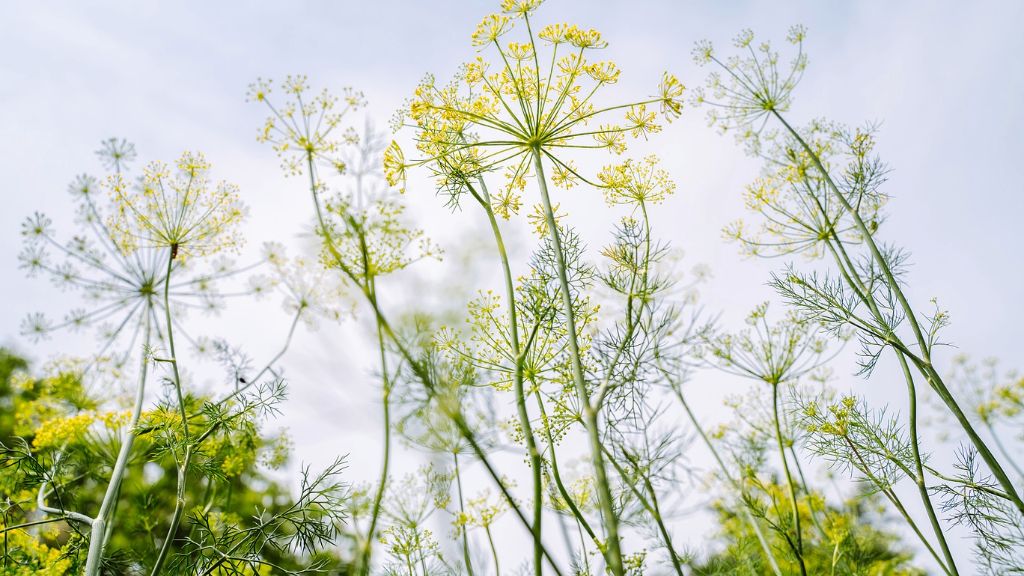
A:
943	78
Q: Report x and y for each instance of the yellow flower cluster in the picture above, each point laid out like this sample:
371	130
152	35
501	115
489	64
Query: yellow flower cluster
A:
178	208
37	558
306	128
59	431
836	422
531	101
636	182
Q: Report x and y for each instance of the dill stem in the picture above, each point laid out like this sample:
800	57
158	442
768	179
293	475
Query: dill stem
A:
853	279
769	554
386	459
509	499
789	480
590	415
462	510
517	380
651	504
494	551
919	478
183	466
886	489
420	371
101	523
569	500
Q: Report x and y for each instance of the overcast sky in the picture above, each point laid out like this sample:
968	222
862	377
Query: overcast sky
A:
943	79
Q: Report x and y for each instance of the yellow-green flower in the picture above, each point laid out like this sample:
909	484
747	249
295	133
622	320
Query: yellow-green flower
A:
533	96
177	208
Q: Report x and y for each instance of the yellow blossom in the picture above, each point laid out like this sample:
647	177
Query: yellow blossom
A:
490	28
177	209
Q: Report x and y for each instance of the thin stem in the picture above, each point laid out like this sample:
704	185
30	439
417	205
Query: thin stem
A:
509	499
494	551
751	521
517	380
382	484
569	500
886	489
650	504
462	510
789	480
590	415
98	535
919	478
853	279
179	505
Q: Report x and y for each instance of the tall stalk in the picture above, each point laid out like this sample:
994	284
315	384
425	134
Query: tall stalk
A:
649	504
747	516
798	547
186	461
517	377
382	483
581	520
853	279
590	416
104	518
462	510
418	368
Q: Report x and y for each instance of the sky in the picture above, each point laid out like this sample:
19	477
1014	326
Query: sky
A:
941	79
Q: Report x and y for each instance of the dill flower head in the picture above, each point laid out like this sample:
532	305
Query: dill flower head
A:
309	290
535	95
120	288
798	210
375	240
307	128
748	87
177	208
772	352
636	182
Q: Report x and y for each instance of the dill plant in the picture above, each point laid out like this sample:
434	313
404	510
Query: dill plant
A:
821	195
149	231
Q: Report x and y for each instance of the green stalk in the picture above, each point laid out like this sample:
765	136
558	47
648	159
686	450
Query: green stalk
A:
851	277
661	526
382	485
104	519
886	489
183	466
925	366
651	505
919	479
789	480
509	499
590	415
494	551
418	368
580	518
517	381
462	510
751	521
